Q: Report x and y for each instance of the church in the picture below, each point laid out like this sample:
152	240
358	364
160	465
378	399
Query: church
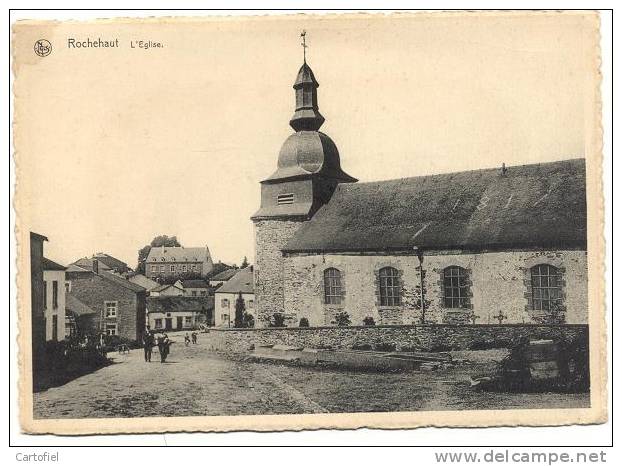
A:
491	246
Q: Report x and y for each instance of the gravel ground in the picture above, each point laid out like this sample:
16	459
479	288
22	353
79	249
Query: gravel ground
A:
195	382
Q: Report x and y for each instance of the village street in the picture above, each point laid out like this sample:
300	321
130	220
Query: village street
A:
196	381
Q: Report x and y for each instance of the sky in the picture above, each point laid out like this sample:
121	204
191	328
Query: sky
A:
116	146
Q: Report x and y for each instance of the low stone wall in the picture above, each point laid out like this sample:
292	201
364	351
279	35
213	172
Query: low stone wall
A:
402	338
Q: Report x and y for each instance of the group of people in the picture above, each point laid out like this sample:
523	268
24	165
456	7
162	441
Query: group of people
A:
151	339
187	338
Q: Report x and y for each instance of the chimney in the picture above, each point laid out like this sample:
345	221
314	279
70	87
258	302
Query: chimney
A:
95	266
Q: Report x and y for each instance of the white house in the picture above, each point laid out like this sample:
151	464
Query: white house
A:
225	297
174	289
178	312
54	300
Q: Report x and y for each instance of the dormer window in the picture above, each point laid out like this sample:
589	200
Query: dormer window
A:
283	199
162	259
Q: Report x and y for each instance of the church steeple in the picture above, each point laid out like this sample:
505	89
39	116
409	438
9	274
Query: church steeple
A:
306	117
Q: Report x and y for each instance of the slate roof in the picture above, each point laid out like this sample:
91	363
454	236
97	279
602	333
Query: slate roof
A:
87	264
194	284
241	282
540	205
76	306
224	275
179	303
77	269
164	287
144	281
51	265
178	254
111	262
121	281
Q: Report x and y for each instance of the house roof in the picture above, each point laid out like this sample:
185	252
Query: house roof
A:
224	275
75	268
51	265
121	281
194	284
144	281
178	254
241	282
540	205
165	286
110	262
76	306
179	303
87	264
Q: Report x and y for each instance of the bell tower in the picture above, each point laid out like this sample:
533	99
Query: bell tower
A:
308	171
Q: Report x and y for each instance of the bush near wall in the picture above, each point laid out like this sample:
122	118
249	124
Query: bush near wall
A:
402	338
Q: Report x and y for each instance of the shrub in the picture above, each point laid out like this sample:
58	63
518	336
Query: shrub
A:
248	320
342	319
304	322
385	346
365	347
278	320
369	321
490	344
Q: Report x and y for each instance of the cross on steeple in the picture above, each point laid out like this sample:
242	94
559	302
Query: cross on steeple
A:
303	34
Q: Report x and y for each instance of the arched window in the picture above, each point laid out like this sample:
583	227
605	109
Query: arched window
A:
545	287
455	287
332	286
389	287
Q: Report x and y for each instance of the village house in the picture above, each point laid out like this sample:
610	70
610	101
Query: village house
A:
143	281
37	302
54	300
194	287
503	245
179	312
225	297
170	289
222	277
180	262
118	303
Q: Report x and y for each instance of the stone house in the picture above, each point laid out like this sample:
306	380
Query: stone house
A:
54	300
179	312
505	245
194	287
118	303
221	278
171	289
225	297
167	262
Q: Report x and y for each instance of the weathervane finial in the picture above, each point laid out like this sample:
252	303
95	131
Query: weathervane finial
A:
303	34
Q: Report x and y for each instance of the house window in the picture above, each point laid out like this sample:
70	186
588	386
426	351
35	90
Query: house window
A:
154	268
161	268
67	287
332	286
172	268
194	268
225	318
162	259
188	320
251	304
194	293
184	268
55	294
389	287
55	327
203	293
455	287
224	303
545	287
111	309
45	295
158	323
111	329
284	199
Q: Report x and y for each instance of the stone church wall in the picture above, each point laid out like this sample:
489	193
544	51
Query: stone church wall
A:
499	282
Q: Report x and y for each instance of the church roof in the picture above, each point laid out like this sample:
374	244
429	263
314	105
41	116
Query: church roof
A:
540	205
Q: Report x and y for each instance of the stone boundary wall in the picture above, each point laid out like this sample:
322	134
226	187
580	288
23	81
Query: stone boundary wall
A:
405	337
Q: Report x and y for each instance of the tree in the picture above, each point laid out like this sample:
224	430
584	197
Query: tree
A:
158	241
244	263
240	307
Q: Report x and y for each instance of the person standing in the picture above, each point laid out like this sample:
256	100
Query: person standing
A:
147	345
186	339
194	338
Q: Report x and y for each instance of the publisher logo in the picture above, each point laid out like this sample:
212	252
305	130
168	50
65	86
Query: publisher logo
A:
43	47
